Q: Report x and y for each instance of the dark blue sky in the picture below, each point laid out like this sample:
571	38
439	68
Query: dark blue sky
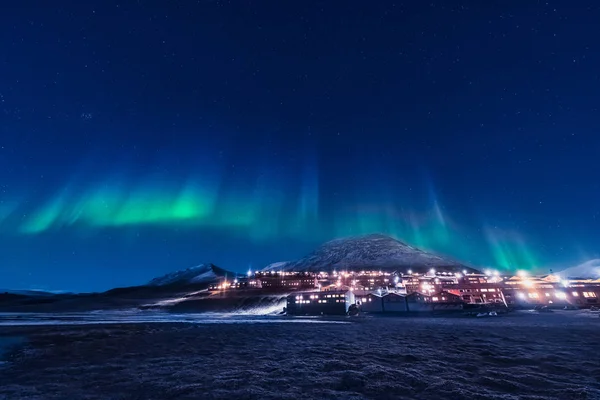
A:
142	137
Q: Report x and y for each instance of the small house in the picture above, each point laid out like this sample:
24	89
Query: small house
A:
394	302
370	302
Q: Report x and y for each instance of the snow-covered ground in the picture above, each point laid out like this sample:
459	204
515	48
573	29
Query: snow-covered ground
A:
589	269
146	317
6	343
523	356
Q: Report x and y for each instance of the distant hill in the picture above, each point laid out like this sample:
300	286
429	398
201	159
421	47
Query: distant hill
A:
589	269
374	251
203	273
30	292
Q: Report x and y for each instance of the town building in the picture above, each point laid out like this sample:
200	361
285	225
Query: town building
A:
369	302
286	280
381	291
393	302
551	291
443	301
320	303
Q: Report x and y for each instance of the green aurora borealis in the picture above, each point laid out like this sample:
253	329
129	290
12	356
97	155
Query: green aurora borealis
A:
263	211
139	139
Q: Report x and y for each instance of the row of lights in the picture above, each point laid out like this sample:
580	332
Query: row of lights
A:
560	295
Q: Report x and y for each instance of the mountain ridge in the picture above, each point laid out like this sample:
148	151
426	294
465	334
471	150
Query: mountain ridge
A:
368	251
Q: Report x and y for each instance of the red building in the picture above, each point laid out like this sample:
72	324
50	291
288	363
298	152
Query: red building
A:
286	280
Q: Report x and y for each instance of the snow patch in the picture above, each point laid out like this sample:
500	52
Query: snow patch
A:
589	269
370	251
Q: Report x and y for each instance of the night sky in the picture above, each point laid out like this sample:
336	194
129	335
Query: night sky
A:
142	137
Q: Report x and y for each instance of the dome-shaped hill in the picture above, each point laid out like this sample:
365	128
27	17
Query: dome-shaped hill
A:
589	269
203	273
374	251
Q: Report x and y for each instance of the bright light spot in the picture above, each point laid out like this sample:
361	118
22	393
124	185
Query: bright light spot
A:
464	271
522	273
561	295
410	271
488	272
521	295
432	271
527	283
496	273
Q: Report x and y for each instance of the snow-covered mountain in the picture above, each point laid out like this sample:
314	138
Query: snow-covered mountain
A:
589	269
370	251
203	273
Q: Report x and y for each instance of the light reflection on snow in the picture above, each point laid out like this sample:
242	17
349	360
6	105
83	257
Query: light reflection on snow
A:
143	317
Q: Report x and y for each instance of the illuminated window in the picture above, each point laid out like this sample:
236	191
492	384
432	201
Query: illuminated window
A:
547	294
484	290
589	294
533	295
435	299
575	294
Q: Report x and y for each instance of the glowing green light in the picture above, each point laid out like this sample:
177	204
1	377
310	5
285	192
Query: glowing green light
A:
45	218
264	209
510	251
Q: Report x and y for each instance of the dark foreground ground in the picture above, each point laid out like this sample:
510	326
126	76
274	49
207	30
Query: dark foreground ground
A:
520	356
